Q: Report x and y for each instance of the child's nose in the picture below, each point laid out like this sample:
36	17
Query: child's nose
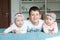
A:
35	17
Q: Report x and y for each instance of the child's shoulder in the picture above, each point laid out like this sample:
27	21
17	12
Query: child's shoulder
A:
41	20
13	25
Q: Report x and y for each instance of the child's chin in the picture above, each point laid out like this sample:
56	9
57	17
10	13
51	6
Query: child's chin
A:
19	26
35	22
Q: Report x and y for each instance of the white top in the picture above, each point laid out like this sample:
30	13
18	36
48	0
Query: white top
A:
35	28
22	29
53	28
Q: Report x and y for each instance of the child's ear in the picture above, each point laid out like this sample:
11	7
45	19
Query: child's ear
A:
27	17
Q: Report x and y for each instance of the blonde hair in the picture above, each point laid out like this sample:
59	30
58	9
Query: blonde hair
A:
18	15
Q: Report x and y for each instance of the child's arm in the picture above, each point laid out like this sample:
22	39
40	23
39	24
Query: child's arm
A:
45	29
9	29
55	27
20	30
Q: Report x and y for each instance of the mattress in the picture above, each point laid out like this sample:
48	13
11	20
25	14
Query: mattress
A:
27	36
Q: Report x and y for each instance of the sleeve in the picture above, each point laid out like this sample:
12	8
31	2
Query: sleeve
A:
55	27
9	29
45	29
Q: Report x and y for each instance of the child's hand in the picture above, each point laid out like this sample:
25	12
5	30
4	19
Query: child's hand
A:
45	25
16	31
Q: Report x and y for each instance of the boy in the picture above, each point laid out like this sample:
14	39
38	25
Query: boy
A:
34	22
18	26
50	25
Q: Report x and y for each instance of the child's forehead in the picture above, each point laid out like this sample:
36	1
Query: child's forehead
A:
34	12
19	15
49	17
19	18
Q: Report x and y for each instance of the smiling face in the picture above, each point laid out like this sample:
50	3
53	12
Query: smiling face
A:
19	20
34	16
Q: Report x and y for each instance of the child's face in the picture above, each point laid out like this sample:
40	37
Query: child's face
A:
19	21
34	16
49	20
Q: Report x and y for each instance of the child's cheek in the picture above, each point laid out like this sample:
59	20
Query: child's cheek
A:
51	21
22	23
48	22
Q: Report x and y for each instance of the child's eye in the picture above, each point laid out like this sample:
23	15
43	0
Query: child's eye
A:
32	14
17	20
37	14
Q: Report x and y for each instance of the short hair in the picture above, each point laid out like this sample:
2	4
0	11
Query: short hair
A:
34	8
